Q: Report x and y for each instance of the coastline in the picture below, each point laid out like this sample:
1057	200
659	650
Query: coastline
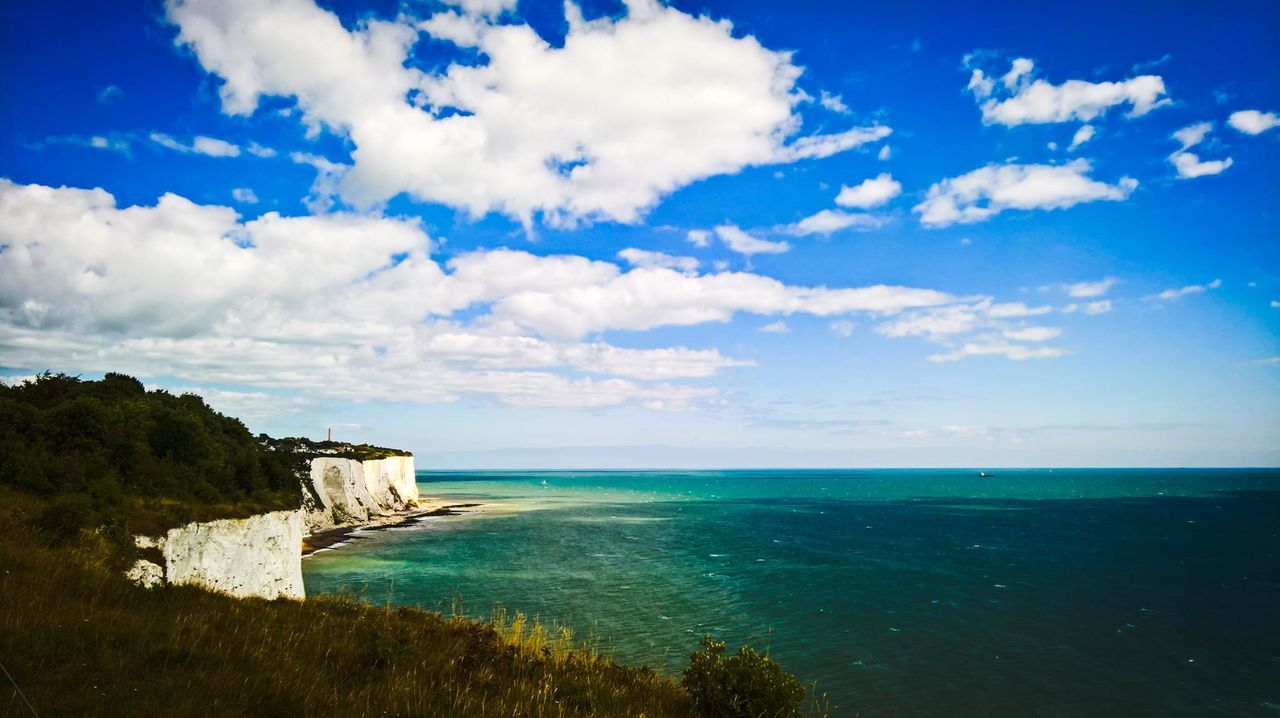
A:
337	537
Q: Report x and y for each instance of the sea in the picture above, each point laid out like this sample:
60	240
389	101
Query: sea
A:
1045	592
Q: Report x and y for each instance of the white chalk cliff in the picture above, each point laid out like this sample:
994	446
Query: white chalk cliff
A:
257	556
262	555
356	492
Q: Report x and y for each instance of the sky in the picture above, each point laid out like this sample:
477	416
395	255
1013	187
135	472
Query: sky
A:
512	234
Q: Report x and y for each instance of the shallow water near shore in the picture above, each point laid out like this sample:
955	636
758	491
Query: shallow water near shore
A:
1064	592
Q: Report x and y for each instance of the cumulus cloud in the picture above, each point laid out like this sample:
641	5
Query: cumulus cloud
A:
987	191
778	327
644	258
1020	100
1253	122
699	237
355	306
1192	135
623	112
201	145
829	221
737	240
835	103
1190	165
1180	292
977	328
1102	306
1016	352
869	193
1086	290
487	8
842	327
1082	135
1033	334
258	150
244	194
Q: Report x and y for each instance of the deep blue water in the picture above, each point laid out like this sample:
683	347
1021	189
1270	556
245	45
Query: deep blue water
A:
1037	592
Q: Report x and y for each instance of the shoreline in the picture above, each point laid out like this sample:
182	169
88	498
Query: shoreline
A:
334	538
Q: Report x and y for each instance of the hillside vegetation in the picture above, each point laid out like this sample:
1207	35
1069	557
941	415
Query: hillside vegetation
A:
85	465
110	453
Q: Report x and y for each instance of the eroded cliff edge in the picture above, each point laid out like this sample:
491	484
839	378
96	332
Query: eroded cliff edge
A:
262	555
344	491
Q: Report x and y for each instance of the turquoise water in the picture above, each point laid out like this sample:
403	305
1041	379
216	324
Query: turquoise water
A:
1065	592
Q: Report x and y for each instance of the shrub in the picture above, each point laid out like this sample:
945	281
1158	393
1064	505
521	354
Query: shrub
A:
62	518
745	685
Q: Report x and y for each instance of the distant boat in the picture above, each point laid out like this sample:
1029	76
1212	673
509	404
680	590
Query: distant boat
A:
983	475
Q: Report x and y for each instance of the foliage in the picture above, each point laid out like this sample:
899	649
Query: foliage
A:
110	442
746	685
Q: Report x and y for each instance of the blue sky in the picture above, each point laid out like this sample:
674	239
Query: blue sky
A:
723	234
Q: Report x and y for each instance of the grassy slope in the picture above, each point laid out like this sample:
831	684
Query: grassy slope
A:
82	641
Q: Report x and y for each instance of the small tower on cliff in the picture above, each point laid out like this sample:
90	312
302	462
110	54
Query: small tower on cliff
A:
330	434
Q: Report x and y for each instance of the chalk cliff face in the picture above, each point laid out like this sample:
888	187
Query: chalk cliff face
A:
257	556
353	492
262	555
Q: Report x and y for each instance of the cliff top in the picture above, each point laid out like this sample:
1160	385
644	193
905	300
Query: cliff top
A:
314	449
110	452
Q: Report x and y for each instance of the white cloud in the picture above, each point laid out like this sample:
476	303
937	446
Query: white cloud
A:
699	237
980	85
214	147
1086	290
1026	101
244	194
1016	352
1008	310
869	193
258	150
488	8
987	191
1180	292
1190	165
976	328
1275	304
354	306
1192	135
778	327
884	153
115	144
111	93
201	145
739	241
828	221
1102	306
644	258
324	189
1033	334
1269	361
603	126
1253	122
341	305
1082	135
842	327
1019	73
835	103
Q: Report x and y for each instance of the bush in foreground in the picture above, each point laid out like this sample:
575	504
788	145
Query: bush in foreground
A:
745	685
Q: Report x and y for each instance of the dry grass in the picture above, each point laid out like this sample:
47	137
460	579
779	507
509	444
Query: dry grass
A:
81	641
